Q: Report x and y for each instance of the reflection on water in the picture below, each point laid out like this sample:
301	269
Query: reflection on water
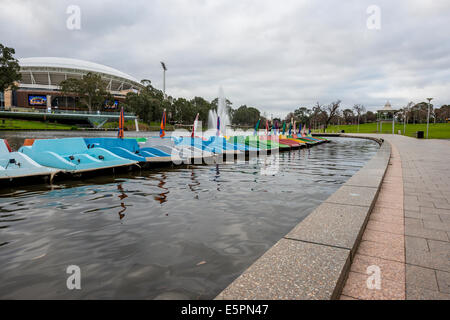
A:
160	234
122	204
162	197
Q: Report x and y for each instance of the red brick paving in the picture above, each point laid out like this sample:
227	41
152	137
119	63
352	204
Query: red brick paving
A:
383	243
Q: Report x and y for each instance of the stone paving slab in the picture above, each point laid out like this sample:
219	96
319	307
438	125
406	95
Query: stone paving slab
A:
333	225
392	251
292	270
422	232
416	243
443	279
357	288
438	246
421	277
432	260
390	270
382	237
355	196
417	293
365	180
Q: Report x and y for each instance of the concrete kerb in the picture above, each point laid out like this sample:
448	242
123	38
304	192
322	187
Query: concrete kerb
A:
321	247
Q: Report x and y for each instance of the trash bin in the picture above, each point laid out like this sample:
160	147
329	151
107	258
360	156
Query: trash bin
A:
419	134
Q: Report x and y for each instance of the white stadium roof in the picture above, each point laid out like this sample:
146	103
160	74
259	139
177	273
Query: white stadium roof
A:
69	67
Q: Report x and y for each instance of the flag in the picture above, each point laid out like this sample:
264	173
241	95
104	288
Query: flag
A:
294	127
290	129
194	127
257	126
267	127
121	123
284	127
162	131
218	126
300	128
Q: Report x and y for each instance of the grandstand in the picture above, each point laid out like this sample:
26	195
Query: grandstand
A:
41	78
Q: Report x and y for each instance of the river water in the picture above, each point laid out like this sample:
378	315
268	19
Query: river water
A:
171	233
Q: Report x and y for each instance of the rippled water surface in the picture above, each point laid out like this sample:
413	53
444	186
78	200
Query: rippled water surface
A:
170	233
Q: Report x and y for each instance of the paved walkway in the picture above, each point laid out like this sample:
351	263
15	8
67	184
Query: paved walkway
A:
408	234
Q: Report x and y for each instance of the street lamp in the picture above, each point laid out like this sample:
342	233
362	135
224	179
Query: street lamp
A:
428	116
164	78
404	120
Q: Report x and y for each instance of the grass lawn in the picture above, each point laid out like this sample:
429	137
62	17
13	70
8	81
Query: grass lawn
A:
436	131
16	124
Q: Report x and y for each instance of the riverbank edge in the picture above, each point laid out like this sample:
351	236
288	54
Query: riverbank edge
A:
313	260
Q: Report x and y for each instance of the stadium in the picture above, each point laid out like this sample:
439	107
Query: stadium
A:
41	78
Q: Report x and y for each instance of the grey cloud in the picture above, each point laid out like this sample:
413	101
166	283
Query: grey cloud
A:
273	55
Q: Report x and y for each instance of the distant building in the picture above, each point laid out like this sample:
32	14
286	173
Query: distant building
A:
386	115
41	77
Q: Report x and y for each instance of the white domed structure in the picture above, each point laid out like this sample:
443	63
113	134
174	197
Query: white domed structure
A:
50	71
387	107
39	87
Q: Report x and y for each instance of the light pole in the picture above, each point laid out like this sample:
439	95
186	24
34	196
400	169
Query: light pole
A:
393	122
164	78
404	120
428	116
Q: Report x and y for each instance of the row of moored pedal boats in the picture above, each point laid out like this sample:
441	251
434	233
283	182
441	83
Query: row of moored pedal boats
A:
75	156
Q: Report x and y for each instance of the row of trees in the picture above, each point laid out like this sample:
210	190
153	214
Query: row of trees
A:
417	113
150	103
324	115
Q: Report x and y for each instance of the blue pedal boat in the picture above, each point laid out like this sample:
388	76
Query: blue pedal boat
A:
72	155
15	165
197	143
187	153
225	145
130	149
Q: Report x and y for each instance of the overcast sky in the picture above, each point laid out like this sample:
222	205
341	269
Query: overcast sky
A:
275	55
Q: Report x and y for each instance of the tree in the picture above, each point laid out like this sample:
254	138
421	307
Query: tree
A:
359	109
419	112
201	107
318	115
407	111
246	116
302	114
348	116
9	68
290	116
91	90
370	116
330	112
443	113
215	104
